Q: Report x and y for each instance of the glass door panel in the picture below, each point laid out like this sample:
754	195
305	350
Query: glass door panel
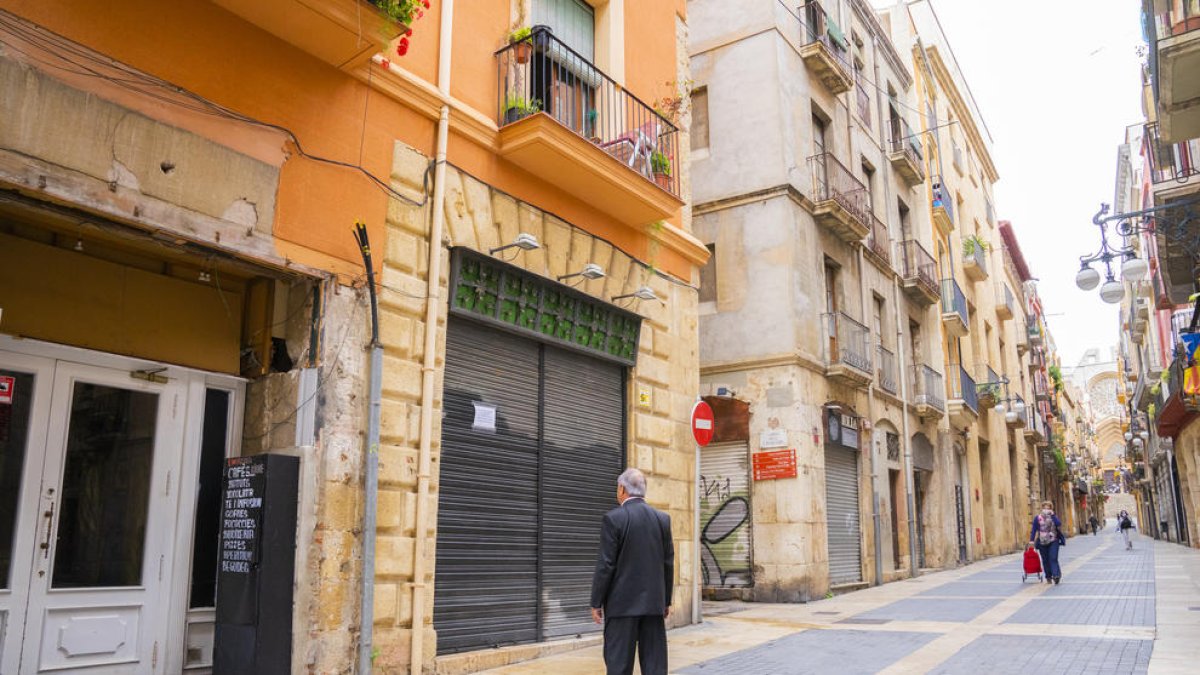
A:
101	537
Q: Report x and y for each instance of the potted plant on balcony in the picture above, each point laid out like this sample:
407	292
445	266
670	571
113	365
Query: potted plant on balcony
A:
972	244
988	393
519	107
660	164
522	46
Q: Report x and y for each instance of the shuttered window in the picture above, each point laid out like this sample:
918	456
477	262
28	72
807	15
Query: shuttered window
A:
520	504
572	21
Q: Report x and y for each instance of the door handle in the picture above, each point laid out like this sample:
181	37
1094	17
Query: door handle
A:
45	545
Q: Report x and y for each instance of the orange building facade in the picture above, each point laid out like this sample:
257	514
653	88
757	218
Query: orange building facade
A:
180	285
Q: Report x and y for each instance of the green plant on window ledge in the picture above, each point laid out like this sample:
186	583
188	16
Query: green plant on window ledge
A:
973	243
1056	375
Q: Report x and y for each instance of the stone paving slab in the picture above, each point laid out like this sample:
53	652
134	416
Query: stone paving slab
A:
1012	654
1087	611
932	609
1104	589
978	589
846	652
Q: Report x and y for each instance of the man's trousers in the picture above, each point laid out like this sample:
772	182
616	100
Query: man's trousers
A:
646	634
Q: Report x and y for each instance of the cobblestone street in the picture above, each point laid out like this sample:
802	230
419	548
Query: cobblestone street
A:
1116	611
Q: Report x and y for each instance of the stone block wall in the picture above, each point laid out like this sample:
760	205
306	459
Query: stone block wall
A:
659	440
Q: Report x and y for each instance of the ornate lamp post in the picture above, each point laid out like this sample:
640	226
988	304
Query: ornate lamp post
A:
1183	231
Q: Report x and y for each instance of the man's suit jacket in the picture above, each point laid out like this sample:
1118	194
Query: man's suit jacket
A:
635	568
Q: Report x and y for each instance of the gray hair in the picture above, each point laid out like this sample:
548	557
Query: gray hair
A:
634	482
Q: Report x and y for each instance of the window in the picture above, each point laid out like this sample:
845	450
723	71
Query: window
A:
708	276
572	21
904	224
700	118
880	310
915	352
831	270
818	135
869	181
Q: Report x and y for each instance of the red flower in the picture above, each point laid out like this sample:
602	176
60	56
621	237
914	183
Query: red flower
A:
426	3
408	32
385	63
402	50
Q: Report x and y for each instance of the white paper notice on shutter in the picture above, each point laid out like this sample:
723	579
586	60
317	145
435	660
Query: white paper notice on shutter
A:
485	417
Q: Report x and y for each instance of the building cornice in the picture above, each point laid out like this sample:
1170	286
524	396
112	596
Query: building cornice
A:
946	80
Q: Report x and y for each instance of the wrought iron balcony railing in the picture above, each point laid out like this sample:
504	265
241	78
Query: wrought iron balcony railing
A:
886	370
543	75
879	243
954	301
850	342
818	27
918	265
929	388
832	181
1171	162
1005	299
904	140
963	388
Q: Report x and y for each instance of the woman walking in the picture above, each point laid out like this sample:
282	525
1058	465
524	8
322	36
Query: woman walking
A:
1125	524
1046	535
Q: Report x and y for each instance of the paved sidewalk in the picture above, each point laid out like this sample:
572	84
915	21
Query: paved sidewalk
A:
1116	611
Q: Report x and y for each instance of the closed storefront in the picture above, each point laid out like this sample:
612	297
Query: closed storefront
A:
841	499
533	440
725	515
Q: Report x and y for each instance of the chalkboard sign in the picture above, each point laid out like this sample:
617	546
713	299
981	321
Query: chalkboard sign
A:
242	514
257	565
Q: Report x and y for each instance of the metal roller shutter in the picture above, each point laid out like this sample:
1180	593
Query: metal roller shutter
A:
841	508
582	455
725	515
487	538
519	508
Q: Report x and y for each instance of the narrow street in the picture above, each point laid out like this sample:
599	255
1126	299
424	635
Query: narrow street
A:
1116	611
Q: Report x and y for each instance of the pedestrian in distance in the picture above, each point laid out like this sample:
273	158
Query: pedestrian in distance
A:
1125	524
1046	534
634	578
1095	524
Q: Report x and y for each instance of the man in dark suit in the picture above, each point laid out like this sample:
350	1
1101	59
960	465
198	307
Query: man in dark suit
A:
635	574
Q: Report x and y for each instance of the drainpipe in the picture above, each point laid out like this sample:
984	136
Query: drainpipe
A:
910	480
876	526
429	368
367	616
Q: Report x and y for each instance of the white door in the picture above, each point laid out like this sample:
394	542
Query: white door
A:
101	508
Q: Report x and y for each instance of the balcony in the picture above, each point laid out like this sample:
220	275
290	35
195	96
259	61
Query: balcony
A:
1022	339
904	152
964	401
1037	360
1036	430
1175	65
918	273
1005	302
975	258
862	96
943	208
1019	419
885	370
879	244
1041	388
566	122
989	388
848	350
1172	165
840	202
826	51
1035	335
342	33
929	392
954	309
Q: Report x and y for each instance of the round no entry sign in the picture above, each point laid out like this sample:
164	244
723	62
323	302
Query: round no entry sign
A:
703	423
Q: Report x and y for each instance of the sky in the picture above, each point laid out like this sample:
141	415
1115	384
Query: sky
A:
1056	82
